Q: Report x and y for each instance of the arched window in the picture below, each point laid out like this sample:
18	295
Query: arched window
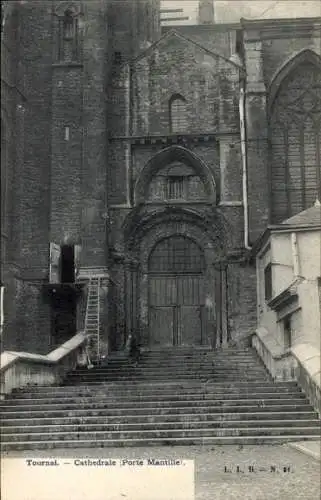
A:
177	114
68	25
68	36
176	182
176	254
296	142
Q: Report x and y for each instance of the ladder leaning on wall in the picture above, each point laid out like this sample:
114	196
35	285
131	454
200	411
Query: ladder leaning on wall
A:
92	320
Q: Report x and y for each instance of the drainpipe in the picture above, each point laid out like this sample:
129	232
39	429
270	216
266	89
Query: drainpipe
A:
1	310
295	256
128	132
244	166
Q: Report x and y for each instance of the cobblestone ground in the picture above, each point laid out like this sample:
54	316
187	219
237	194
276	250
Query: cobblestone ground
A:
302	481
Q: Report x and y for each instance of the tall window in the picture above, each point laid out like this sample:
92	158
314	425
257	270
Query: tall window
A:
177	114
296	142
268	282
68	25
117	58
68	37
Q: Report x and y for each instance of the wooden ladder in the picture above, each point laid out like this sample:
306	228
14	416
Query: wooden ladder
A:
92	318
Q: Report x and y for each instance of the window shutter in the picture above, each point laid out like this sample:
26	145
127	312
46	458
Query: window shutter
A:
77	252
54	265
2	307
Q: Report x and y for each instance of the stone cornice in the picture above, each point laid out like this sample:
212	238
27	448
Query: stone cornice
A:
279	28
201	27
285	298
67	65
174	139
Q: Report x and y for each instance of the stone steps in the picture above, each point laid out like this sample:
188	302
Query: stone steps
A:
190	360
81	383
147	403
167	374
213	377
167	386
196	359
190	397
173	363
158	377
162	419
168	368
177	396
157	407
171	366
167	433
199	391
34	430
158	441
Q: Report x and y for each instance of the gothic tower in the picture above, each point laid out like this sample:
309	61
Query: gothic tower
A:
133	25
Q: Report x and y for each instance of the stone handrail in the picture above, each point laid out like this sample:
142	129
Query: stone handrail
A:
301	363
308	372
280	364
21	369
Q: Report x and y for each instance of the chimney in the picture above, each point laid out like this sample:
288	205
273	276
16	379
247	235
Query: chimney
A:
206	12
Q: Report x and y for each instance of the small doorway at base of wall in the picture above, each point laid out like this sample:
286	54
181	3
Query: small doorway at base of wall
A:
63	317
287	332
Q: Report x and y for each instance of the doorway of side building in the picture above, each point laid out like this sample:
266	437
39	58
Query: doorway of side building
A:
176	293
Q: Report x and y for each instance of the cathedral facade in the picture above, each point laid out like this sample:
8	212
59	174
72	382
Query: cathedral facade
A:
152	157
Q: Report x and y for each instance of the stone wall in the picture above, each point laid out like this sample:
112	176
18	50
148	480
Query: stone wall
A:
27	99
80	134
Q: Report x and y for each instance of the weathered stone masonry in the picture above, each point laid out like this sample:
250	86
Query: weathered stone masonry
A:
93	152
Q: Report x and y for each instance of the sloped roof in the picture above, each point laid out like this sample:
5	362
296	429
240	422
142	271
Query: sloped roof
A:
309	217
173	34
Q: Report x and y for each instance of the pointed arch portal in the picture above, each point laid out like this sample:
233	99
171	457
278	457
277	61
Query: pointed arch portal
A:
177	288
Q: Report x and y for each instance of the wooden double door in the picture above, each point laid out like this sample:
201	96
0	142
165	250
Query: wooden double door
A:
176	310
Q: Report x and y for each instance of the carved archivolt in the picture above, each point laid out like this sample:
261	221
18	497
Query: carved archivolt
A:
193	177
209	226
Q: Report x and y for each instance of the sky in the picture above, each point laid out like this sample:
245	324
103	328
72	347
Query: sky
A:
233	10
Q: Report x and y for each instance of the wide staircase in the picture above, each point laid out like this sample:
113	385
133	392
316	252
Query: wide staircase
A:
172	397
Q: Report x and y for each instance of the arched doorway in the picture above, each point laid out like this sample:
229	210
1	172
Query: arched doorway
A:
176	300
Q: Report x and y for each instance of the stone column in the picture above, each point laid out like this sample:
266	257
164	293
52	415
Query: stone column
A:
94	151
256	135
131	296
231	171
128	298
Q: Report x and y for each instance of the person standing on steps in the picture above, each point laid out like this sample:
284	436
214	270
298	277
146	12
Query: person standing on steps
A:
133	348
